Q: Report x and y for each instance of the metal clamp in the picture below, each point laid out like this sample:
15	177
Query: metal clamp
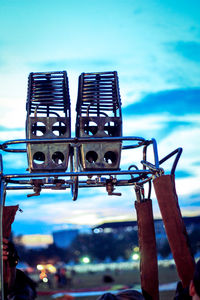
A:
110	187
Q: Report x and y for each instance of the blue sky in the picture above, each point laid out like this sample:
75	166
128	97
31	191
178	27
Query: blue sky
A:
155	48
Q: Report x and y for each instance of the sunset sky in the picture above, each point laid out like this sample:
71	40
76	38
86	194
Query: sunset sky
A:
155	48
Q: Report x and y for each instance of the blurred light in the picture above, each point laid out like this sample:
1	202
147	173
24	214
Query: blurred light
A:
108	230
98	230
45	279
136	249
34	240
40	267
43	275
135	256
85	260
51	268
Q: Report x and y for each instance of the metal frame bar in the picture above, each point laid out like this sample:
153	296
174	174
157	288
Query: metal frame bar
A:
178	151
141	141
142	176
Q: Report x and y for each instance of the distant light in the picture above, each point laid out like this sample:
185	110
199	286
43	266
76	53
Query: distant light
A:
35	240
45	279
85	260
51	268
98	230
43	275
40	267
136	249
108	230
135	256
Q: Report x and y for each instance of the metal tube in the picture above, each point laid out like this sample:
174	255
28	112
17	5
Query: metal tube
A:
141	141
179	152
86	173
68	185
155	153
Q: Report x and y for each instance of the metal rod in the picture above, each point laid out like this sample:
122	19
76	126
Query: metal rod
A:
86	173
68	185
179	152
68	141
155	153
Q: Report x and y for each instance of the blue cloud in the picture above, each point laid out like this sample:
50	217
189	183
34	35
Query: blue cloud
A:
193	200
189	50
170	126
195	196
74	63
178	173
177	102
43	198
32	227
3	128
193	204
183	174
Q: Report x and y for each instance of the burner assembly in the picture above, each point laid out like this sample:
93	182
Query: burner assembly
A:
94	153
99	116
48	117
91	159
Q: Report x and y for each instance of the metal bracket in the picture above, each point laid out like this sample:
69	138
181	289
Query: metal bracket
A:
110	187
37	183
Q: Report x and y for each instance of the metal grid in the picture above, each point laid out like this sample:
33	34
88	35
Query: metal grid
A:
99	115
48	117
99	94
48	93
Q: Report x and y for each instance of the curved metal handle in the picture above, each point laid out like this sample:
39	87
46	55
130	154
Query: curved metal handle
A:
178	151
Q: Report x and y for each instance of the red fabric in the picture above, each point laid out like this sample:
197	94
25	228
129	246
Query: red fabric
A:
9	213
148	251
175	228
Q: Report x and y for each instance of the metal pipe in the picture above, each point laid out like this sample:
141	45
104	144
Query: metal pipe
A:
68	185
86	173
179	152
155	148
69	141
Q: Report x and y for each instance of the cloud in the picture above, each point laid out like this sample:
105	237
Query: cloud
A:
160	126
192	199
90	208
4	128
183	174
15	162
74	63
32	227
176	102
188	49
